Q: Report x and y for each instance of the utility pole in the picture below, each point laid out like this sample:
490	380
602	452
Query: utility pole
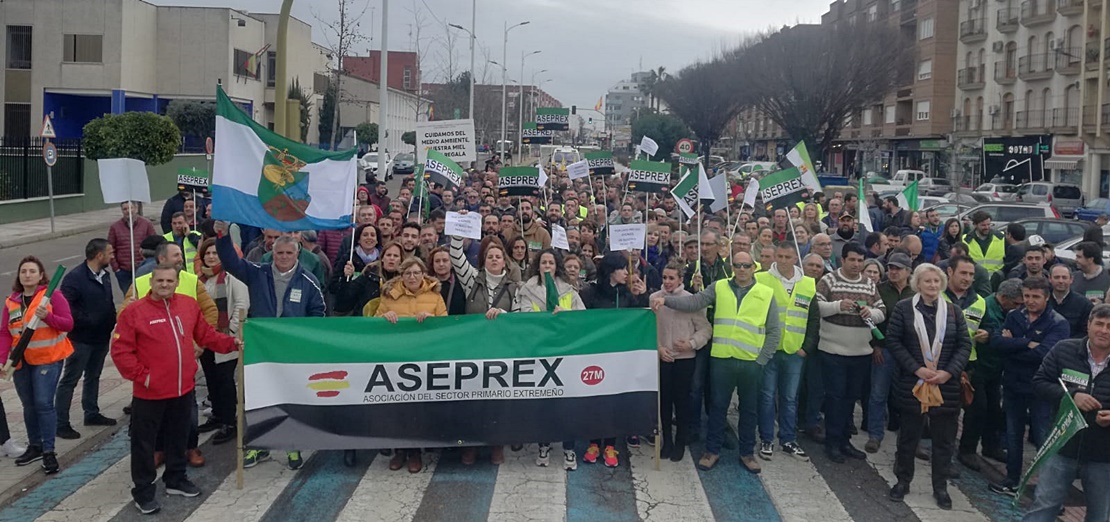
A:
383	92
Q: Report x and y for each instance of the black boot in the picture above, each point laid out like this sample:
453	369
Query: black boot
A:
350	458
678	450
32	454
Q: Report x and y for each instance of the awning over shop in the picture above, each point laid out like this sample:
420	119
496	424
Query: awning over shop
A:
1063	163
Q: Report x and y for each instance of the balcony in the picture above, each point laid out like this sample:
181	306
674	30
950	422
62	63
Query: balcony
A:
1090	113
908	13
1030	120
1007	20
1090	56
971	78
1068	60
973	31
1036	12
1067	118
1005	73
1035	67
1069	7
967	124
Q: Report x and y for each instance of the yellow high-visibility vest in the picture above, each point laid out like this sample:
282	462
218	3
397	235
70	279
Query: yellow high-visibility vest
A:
992	258
739	329
793	308
186	285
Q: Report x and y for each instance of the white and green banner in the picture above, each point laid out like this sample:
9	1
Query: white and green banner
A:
343	383
263	179
532	135
552	118
519	181
442	170
649	176
601	163
908	197
783	188
799	157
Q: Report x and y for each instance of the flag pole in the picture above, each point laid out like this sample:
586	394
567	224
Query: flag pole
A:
351	257
240	418
697	262
131	242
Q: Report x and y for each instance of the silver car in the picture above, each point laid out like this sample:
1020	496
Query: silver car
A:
1064	197
1003	213
998	191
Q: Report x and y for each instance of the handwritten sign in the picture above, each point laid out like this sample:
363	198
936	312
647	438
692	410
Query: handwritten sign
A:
627	237
467	225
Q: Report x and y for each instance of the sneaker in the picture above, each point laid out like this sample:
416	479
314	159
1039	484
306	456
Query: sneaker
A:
633	441
545	455
649	440
1003	489
611	457
11	448
591	454
766	450
32	454
570	460
253	457
68	433
50	463
872	445
99	420
751	464
796	451
149	507
295	461
183	488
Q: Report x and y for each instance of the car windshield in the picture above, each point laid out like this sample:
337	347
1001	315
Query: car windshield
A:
940	181
404	157
564	157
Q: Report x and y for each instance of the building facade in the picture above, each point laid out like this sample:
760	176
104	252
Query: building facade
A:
403	74
1095	98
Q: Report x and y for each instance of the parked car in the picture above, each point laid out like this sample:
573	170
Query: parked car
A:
997	191
1092	209
934	186
369	165
967	198
404	164
1053	230
947	210
1064	197
1003	213
1064	249
924	202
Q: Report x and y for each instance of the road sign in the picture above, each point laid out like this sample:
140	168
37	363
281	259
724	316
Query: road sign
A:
47	128
49	154
684	146
209	145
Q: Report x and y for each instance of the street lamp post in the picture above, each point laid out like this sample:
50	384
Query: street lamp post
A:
520	104
473	81
505	87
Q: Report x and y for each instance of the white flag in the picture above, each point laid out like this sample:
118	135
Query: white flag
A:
649	146
578	169
123	179
861	211
720	192
705	190
751	192
543	177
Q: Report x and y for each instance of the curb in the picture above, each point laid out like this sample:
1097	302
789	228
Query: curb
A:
44	236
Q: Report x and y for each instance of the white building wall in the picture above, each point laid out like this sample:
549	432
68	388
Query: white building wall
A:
139	71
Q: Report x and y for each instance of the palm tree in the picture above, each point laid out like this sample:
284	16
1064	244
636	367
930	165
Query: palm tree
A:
658	76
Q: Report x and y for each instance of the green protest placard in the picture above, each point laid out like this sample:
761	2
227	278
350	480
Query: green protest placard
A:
518	181
783	188
601	163
552	118
440	169
649	176
533	135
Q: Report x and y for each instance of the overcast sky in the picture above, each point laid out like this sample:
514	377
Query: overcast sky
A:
586	45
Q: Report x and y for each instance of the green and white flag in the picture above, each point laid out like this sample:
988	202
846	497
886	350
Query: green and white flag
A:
263	179
685	193
442	170
799	157
783	188
685	158
1069	421
908	197
342	383
649	176
861	211
519	181
601	163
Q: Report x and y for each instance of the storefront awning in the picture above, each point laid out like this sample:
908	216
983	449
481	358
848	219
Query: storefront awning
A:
1063	163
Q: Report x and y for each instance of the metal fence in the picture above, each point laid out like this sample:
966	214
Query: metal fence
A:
23	171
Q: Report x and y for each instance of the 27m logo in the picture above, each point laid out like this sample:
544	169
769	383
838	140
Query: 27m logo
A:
593	375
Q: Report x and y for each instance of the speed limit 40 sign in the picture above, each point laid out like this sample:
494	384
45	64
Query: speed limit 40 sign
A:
684	146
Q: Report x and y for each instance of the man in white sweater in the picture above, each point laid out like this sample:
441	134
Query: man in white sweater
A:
850	305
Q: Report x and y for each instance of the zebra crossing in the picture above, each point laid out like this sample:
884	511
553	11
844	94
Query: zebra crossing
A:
96	488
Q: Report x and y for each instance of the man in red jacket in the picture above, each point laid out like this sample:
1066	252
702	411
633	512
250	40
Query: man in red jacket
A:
153	348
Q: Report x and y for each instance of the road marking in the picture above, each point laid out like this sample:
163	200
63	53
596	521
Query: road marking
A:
68	258
320	489
673	493
261	486
458	491
389	495
525	491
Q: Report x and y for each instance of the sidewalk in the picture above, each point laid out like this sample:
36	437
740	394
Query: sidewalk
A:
35	230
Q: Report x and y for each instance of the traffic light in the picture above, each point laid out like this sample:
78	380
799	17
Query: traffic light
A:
590	121
574	109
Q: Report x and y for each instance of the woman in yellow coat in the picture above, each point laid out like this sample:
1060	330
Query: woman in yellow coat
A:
413	294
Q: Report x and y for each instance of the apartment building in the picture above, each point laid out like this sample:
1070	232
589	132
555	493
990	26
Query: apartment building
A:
1095	95
1018	82
758	138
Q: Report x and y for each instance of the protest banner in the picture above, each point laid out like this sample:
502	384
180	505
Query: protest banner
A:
442	170
519	181
552	118
452	138
601	163
649	176
626	237
1069	421
366	383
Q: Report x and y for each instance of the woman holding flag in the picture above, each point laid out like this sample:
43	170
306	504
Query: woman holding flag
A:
547	289
39	367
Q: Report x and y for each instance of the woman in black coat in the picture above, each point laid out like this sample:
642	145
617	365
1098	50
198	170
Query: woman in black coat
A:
928	382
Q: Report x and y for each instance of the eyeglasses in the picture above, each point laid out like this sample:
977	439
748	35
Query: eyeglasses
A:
743	266
413	274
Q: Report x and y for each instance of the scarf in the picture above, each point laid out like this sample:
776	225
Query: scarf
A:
929	394
367	257
220	295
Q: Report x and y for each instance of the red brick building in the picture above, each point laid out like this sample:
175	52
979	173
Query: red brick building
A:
404	69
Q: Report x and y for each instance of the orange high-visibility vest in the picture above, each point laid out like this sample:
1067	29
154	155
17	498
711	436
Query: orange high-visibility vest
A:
47	344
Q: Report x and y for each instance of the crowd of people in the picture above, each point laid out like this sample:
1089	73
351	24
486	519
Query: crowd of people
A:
796	310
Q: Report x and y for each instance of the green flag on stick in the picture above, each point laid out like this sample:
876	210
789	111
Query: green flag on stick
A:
1069	421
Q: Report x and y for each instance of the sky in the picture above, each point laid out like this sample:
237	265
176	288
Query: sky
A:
586	46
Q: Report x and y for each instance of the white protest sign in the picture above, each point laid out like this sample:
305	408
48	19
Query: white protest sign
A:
123	179
649	146
454	138
559	237
578	169
467	225
626	237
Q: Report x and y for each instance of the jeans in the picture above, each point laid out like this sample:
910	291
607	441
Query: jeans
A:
36	385
813	399
726	375
1056	477
87	359
881	375
942	427
699	394
221	387
150	419
845	378
1017	406
123	278
674	397
781	376
983	418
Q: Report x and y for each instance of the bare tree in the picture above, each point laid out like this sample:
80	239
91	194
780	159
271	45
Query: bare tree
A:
702	96
809	79
342	36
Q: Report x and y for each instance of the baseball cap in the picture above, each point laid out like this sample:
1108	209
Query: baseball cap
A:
899	260
846	216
